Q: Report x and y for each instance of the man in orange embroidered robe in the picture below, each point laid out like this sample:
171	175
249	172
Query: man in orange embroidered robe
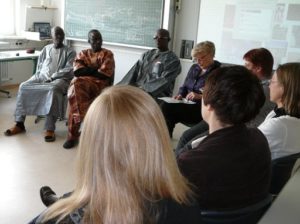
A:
93	71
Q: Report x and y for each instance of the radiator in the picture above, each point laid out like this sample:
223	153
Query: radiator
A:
4	72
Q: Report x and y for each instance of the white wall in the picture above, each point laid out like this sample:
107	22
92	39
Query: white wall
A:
186	23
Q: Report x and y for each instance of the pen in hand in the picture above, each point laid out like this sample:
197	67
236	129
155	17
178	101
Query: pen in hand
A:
193	96
190	96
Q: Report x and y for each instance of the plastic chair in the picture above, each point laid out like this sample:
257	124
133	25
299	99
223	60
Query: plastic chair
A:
247	215
281	172
62	112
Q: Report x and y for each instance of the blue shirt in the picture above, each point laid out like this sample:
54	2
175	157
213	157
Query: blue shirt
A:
194	81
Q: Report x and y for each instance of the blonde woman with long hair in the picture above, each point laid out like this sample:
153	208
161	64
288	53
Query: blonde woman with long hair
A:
127	172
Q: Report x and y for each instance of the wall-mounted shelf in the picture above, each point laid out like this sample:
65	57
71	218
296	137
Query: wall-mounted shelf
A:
4	43
33	36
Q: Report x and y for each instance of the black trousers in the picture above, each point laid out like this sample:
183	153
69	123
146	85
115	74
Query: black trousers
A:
188	114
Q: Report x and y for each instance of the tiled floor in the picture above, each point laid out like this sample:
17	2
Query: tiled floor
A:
27	163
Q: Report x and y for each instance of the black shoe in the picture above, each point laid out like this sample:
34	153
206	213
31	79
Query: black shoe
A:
48	196
69	144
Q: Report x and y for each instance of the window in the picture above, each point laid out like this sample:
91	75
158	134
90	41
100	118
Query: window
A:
7	17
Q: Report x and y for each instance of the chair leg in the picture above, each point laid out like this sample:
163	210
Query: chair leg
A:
6	92
38	118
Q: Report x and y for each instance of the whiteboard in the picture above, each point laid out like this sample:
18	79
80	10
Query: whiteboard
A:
129	22
236	26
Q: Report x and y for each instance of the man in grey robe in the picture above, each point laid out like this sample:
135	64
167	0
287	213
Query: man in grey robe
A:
44	93
157	70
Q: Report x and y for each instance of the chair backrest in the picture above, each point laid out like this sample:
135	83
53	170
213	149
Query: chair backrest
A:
281	172
247	215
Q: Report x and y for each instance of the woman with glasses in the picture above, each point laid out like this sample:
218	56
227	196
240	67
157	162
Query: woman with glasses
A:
282	125
190	113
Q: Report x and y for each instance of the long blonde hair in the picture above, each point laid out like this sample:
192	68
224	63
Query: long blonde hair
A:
125	161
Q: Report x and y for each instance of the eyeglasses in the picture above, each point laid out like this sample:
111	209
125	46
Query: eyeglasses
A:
160	38
200	58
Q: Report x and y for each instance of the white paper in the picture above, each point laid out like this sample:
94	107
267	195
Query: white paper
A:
172	100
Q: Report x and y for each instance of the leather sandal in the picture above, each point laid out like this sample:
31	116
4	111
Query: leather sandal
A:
49	136
14	131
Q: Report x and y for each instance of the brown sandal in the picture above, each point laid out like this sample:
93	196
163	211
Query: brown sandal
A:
49	136
14	130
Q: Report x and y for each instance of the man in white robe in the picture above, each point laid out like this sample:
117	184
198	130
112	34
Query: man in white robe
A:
44	92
